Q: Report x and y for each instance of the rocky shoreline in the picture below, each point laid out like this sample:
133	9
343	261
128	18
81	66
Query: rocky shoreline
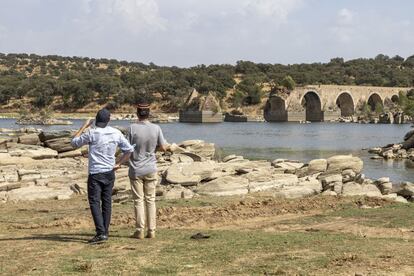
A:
37	164
64	119
403	150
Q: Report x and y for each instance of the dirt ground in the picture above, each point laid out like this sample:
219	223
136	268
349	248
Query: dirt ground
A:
254	235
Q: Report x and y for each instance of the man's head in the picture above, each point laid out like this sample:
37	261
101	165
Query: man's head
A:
102	118
143	110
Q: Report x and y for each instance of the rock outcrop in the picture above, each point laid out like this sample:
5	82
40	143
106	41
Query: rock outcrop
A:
403	150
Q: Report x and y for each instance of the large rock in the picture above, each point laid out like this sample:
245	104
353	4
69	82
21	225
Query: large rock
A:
257	184
52	173
7	160
3	197
28	175
384	185
72	153
199	147
330	178
177	192
317	166
5	186
408	140
60	144
8	174
190	174
49	135
311	182
408	135
29	139
189	143
174	148
376	150
355	189
406	190
3	145
339	163
287	167
195	157
295	192
225	186
31	151
180	158
38	192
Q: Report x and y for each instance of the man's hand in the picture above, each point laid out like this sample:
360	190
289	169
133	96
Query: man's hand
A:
122	160
87	124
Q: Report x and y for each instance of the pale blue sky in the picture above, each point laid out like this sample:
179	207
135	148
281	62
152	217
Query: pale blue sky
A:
190	32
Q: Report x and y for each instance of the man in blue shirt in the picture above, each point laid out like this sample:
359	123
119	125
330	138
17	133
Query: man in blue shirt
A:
103	142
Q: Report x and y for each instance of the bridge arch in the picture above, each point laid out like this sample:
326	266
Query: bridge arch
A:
375	100
346	103
275	109
311	101
395	98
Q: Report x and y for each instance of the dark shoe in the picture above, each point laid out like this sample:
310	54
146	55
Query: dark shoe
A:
98	239
200	236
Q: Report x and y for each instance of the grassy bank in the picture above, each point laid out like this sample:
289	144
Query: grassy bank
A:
251	236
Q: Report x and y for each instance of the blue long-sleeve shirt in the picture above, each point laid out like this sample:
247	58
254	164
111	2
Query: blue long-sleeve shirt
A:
102	147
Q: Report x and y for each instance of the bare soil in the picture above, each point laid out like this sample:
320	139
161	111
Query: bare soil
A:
254	235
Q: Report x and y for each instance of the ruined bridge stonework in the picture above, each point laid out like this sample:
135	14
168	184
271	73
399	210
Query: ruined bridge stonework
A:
317	103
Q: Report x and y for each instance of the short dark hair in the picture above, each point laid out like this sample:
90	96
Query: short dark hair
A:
143	113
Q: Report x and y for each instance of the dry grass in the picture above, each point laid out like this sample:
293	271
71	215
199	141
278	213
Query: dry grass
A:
250	236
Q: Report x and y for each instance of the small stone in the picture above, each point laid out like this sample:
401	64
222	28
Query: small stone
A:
63	197
383	180
329	193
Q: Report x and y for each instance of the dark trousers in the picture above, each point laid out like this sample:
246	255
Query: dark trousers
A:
100	189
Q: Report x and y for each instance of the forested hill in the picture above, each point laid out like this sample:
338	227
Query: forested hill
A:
74	82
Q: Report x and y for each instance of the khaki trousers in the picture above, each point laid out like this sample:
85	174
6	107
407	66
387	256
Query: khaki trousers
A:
143	189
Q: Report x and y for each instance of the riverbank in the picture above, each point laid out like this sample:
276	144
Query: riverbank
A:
269	141
43	164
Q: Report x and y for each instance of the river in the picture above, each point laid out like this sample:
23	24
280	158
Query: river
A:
289	140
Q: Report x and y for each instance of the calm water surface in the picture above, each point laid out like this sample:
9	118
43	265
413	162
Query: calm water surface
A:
288	140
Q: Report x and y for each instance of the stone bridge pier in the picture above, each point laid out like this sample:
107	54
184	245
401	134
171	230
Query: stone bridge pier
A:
327	102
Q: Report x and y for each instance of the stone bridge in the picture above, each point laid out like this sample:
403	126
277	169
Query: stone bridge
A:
318	103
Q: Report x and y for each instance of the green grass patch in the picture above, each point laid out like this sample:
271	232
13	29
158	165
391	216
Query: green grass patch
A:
389	216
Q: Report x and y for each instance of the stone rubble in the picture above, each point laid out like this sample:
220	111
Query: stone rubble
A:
49	168
403	150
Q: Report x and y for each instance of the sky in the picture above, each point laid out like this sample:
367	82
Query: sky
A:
191	32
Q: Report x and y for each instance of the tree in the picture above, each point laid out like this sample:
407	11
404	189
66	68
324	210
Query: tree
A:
248	90
406	101
6	93
379	108
288	83
75	94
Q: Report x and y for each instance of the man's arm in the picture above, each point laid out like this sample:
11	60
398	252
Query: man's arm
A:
162	144
87	124
125	157
127	150
79	139
163	147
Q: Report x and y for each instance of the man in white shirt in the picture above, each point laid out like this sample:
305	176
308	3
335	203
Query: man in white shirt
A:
103	142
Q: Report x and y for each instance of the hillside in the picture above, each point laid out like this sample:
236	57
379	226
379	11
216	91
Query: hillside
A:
77	84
